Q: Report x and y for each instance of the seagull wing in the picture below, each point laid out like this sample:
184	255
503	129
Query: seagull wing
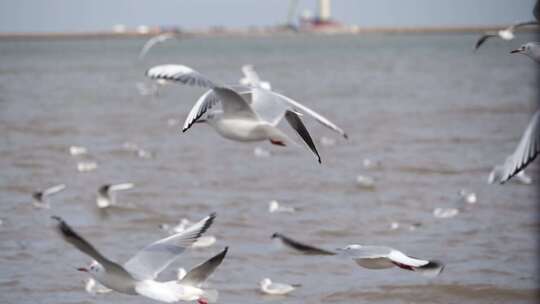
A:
402	259
54	189
123	186
521	24
200	273
180	73
304	248
76	240
536	11
203	104
300	107
154	258
526	151
153	41
483	39
296	123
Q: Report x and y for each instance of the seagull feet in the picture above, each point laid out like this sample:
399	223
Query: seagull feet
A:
277	142
202	301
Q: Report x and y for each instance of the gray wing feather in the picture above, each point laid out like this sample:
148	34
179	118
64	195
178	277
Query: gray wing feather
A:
201	272
304	248
526	151
72	237
180	73
154	258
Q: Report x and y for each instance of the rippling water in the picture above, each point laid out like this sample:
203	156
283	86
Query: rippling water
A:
436	115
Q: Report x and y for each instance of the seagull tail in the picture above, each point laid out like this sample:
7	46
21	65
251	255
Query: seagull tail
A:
210	295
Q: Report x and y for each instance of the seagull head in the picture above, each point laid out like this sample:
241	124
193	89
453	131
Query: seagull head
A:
94	269
265	282
526	48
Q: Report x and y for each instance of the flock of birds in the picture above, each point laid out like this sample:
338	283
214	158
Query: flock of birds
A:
247	112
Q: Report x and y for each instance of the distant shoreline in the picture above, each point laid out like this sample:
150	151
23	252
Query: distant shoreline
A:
251	32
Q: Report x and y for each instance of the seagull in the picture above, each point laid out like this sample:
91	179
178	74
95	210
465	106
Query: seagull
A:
251	78
274	206
467	196
203	241
365	182
531	49
40	197
526	151
505	34
371	257
106	196
271	288
77	150
248	114
379	257
153	41
137	276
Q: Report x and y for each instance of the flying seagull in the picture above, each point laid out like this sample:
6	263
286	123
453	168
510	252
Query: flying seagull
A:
153	41
248	114
106	195
137	276
41	197
505	34
526	151
251	78
371	257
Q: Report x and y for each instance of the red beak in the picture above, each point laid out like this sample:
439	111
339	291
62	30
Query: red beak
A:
82	269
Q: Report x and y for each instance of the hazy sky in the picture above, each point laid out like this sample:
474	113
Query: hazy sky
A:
89	15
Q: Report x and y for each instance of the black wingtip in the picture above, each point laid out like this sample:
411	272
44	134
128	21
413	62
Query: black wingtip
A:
57	218
275	235
345	136
208	223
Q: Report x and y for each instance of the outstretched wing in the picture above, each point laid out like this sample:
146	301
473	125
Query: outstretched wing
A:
304	248
54	189
200	273
154	258
119	187
300	107
72	237
153	41
483	39
521	24
180	73
526	151
296	123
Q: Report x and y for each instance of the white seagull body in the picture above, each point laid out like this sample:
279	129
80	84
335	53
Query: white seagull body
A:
137	276
106	195
93	287
267	286
248	113
41	197
153	41
251	78
370	257
526	151
506	34
274	206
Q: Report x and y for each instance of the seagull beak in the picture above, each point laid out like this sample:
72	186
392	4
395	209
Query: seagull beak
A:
82	269
515	51
200	121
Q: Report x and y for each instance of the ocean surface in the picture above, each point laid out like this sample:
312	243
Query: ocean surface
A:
434	114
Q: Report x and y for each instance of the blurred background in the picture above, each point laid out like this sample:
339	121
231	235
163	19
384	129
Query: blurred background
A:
427	116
